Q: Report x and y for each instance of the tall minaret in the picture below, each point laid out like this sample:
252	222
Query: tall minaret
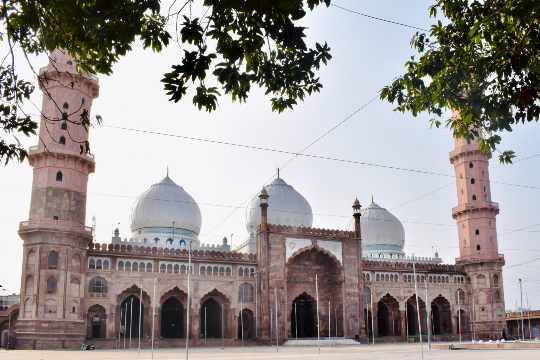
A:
478	250
55	237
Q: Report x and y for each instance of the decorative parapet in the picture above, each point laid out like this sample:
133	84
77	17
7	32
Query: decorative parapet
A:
403	258
309	232
203	247
474	260
377	265
526	314
160	253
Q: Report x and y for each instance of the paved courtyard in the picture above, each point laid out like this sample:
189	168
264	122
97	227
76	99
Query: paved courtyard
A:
371	352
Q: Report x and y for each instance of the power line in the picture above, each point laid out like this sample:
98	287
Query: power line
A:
378	18
313	156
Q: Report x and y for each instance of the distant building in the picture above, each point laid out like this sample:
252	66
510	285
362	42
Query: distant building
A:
528	321
359	280
7	300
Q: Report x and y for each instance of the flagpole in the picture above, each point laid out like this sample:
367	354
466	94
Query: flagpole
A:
295	321
318	319
130	320
329	320
372	321
188	300
406	322
459	314
276	320
140	317
428	319
418	311
125	324
120	329
256	304
241	314
153	315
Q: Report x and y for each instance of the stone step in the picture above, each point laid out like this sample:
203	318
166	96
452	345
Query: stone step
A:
322	342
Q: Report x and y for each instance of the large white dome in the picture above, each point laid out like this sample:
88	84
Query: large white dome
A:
382	232
286	206
163	205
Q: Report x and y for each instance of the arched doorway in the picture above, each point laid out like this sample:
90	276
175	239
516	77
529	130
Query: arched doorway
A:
441	316
412	316
132	314
172	319
303	320
246	325
211	318
328	270
97	322
388	316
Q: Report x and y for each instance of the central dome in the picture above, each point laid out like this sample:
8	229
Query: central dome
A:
286	206
382	232
166	205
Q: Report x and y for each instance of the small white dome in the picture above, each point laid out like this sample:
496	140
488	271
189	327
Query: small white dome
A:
286	206
382	232
164	203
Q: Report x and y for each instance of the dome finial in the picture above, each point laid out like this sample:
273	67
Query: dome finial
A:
372	198
278	173
167	174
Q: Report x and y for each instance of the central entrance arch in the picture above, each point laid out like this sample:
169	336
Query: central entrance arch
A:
303	322
172	319
133	315
211	318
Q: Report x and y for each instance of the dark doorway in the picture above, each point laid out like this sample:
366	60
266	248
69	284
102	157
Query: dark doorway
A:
412	319
441	316
367	323
130	314
303	317
211	319
172	319
97	322
383	319
246	325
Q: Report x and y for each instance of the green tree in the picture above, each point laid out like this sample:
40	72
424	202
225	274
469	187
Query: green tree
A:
232	46
482	61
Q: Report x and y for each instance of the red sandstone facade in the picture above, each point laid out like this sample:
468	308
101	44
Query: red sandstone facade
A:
301	282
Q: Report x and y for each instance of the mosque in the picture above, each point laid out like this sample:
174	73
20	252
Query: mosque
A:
287	280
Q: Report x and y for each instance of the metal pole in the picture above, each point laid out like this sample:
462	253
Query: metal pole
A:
407	321
521	297
329	319
318	319
418	312
241	314
125	325
335	320
205	325
120	329
472	322
428	318
153	316
188	300
295	321
276	322
528	315
256	304
130	320
140	318
372	321
222	326
459	314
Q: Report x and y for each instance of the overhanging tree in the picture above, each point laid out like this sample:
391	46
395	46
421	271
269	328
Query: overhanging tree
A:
481	62
230	47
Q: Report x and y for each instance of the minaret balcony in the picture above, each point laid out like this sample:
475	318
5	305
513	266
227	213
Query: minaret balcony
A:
475	207
54	225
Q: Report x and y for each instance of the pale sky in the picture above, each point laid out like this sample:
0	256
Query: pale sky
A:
366	55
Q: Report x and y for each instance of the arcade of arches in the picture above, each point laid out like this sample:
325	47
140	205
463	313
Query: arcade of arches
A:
390	320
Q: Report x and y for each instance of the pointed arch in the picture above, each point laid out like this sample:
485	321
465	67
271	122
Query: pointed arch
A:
214	309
